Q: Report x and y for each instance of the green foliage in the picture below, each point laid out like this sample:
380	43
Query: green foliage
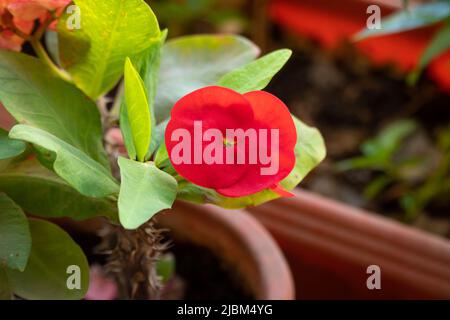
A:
148	67
10	148
5	289
45	276
192	62
436	186
257	74
79	170
33	95
145	191
378	152
41	192
15	238
111	31
382	156
181	17
438	45
138	113
165	267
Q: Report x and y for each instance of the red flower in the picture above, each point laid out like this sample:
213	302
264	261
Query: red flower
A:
237	144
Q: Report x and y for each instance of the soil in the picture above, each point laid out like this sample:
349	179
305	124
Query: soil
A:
205	276
200	274
350	100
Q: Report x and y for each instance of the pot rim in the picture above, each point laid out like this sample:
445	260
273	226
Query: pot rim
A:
240	240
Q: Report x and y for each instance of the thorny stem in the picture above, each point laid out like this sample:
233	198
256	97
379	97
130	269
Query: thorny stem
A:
131	255
131	259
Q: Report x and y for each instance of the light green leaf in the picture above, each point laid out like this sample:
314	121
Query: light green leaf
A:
125	128
438	45
41	192
15	241
257	74
46	276
71	164
10	148
138	112
148	66
389	139
145	190
413	18
33	95
113	30
310	151
192	62
5	290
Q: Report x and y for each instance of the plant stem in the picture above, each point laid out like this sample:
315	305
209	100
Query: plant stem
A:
131	259
42	54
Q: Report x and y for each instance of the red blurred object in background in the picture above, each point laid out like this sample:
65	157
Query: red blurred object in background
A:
330	22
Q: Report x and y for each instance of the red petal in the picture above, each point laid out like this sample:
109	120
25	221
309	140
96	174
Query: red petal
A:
270	113
216	107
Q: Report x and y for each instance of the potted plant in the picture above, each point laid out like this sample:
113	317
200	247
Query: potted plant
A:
70	99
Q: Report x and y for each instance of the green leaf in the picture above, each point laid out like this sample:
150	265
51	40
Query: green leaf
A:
413	18
33	95
80	171
145	190
165	267
257	74
138	112
438	45
114	30
149	68
10	148
310	151
389	139
46	276
41	192
5	290
15	241
192	62
125	128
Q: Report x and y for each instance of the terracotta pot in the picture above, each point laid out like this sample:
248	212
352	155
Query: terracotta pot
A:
238	239
329	246
235	237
